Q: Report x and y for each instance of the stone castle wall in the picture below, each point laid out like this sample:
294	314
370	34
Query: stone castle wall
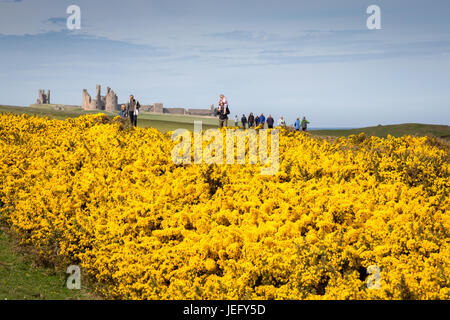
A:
159	108
199	112
154	108
181	111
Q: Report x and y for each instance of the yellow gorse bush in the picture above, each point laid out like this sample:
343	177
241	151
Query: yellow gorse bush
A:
90	192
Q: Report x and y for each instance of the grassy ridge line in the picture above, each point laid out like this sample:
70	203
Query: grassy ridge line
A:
170	122
398	130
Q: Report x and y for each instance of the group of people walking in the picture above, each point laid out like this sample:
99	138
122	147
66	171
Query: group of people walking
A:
131	110
251	121
301	124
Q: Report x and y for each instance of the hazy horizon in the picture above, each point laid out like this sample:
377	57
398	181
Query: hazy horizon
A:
288	58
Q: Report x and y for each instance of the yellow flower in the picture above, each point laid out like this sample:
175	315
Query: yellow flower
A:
90	191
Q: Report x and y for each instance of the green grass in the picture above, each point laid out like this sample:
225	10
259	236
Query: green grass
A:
440	131
20	279
47	110
165	123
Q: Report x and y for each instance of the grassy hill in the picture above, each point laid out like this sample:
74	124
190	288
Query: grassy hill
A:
22	279
168	122
397	130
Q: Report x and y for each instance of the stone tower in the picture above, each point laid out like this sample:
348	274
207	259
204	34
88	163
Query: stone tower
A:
98	104
43	98
87	103
108	102
111	100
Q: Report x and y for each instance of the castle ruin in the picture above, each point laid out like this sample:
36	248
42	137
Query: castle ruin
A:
107	103
159	108
202	112
153	108
43	98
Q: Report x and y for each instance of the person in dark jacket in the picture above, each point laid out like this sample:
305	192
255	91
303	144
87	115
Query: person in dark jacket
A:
251	120
223	116
133	110
257	121
270	122
244	121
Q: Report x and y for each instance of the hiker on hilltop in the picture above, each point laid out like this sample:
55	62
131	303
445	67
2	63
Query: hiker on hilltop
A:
270	122
262	120
251	120
297	124
133	110
244	121
236	120
257	121
223	111
304	124
281	122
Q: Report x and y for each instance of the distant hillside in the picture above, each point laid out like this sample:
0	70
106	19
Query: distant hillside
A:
397	130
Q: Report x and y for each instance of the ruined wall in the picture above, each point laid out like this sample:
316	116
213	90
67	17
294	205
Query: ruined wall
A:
158	107
181	111
200	112
147	108
87	102
153	108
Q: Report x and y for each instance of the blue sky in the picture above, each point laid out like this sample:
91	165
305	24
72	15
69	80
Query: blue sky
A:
292	58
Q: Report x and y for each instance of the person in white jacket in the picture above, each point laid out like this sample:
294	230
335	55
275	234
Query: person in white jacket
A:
281	122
